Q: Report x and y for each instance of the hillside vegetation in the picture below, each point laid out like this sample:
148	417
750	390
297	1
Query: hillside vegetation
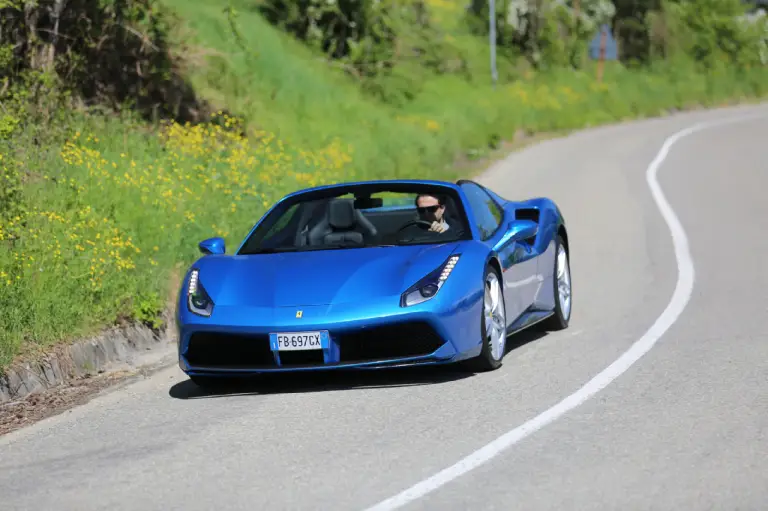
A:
132	129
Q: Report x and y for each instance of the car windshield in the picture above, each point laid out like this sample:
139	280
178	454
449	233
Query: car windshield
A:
362	218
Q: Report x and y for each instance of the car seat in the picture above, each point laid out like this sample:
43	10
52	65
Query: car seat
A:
339	226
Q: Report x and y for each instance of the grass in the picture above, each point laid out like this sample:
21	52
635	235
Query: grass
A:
115	210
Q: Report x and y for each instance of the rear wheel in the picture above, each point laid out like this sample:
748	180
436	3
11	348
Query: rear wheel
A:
561	284
493	324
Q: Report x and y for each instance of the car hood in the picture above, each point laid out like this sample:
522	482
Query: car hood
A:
319	277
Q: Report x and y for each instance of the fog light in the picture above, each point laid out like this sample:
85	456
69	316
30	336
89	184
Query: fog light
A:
429	290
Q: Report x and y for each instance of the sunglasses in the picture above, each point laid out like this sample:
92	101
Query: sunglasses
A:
428	209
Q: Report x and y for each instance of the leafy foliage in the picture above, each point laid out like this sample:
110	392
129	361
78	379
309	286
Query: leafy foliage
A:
372	39
548	34
633	29
11	199
714	33
112	52
552	33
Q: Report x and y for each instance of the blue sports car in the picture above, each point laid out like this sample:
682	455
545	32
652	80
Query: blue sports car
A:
375	274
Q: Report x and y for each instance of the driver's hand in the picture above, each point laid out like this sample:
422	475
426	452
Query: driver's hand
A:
437	227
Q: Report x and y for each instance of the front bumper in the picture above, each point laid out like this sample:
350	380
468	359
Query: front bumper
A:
360	336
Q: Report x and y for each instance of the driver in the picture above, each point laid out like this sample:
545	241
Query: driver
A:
432	209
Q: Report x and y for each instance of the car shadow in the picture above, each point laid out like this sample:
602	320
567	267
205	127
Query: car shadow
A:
520	339
324	381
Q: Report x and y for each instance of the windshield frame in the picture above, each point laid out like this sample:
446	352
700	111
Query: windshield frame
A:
252	242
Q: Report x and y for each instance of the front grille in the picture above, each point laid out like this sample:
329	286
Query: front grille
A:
242	351
229	351
387	342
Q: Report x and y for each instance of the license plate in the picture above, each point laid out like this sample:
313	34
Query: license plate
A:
293	341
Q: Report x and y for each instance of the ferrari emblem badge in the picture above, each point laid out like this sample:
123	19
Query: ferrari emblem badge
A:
299	313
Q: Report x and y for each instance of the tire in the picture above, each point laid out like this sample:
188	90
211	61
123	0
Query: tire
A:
563	304
492	351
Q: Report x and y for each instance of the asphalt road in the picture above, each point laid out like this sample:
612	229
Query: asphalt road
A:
685	427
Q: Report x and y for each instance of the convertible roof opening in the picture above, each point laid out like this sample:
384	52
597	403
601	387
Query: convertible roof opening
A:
360	216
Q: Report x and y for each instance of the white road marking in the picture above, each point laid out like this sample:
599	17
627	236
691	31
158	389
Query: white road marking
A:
680	297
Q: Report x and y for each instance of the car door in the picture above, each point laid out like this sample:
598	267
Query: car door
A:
517	262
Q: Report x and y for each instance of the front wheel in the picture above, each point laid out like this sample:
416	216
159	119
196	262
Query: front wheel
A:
562	289
493	324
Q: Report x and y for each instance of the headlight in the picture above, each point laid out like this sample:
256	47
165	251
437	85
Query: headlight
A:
198	300
428	287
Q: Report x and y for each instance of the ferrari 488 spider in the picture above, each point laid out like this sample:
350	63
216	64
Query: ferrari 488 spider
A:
372	275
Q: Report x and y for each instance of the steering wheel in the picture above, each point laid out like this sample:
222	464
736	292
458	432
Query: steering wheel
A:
412	222
415	222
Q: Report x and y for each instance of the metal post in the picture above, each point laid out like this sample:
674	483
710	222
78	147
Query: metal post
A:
492	37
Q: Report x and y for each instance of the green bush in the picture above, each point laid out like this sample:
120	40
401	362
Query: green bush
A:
383	43
113	52
632	30
552	35
11	198
713	33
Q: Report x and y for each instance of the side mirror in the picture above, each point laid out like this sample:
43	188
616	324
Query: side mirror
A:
522	229
212	246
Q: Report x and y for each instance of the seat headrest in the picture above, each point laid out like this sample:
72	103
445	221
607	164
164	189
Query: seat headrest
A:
341	214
